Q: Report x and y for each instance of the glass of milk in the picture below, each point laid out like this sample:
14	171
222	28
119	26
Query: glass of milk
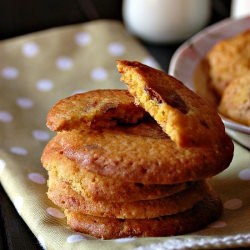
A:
165	21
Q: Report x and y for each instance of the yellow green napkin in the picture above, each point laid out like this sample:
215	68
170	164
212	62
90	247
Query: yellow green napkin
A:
36	71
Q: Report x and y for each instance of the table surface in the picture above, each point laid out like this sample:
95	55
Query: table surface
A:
14	233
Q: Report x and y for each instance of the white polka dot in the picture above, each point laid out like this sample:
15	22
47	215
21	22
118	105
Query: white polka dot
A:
83	38
5	116
55	212
41	242
37	178
116	49
18	203
18	150
45	85
10	73
30	49
99	74
75	238
41	135
124	240
2	166
24	103
150	61
245	174
218	224
233	204
64	63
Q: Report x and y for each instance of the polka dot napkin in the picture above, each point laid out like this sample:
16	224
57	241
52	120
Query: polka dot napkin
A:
36	71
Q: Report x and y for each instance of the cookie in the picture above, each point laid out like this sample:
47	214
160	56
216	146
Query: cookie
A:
63	196
227	59
235	101
143	154
96	187
135	164
97	108
202	214
183	115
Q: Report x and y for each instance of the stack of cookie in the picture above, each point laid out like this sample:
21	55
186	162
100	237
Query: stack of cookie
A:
136	163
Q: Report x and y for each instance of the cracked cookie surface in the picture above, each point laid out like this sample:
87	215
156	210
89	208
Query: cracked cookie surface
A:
183	115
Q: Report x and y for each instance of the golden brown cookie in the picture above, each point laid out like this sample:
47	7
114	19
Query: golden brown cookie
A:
203	213
96	108
228	59
235	101
143	154
184	116
96	187
64	196
117	173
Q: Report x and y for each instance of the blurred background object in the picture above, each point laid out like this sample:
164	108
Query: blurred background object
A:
240	8
165	21
21	17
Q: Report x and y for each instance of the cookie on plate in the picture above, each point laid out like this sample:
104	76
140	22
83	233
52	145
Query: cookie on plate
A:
184	116
235	101
227	59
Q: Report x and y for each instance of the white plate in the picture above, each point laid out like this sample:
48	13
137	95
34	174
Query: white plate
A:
187	57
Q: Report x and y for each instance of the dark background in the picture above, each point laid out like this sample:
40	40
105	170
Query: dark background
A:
24	16
18	17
